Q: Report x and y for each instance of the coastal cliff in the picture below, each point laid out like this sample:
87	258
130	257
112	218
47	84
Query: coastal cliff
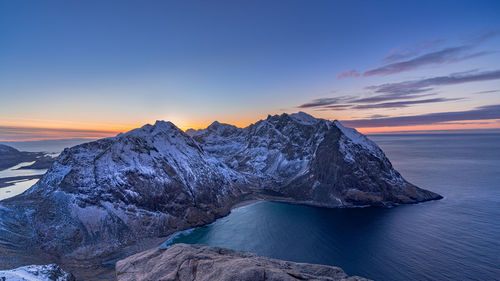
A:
310	160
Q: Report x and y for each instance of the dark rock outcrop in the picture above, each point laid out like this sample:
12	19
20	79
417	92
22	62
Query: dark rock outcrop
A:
183	262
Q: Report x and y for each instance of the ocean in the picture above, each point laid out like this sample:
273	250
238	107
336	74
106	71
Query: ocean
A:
457	238
52	147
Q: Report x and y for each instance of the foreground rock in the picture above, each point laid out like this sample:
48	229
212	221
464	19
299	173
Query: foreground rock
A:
50	272
183	262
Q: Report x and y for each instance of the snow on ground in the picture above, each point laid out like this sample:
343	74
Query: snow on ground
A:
49	272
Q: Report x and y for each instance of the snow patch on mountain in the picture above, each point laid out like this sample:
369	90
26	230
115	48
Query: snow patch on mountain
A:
304	118
50	272
355	137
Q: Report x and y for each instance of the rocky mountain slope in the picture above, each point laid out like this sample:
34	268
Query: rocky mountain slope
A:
104	194
152	181
183	262
311	160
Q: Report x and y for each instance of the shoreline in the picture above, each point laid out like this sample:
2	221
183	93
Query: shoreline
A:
238	205
248	202
245	203
105	266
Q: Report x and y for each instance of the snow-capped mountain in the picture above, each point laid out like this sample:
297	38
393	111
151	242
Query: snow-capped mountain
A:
102	195
311	160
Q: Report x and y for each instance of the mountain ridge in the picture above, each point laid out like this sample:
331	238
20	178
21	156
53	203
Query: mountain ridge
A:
152	181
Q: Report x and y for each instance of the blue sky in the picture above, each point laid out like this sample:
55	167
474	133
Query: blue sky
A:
114	65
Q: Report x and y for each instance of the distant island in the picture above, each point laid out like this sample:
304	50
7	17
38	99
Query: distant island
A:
10	157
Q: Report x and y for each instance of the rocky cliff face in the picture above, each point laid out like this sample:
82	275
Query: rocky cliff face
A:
100	196
314	161
183	262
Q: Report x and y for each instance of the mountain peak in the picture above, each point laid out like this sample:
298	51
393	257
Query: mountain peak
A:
300	117
214	125
304	118
222	127
165	124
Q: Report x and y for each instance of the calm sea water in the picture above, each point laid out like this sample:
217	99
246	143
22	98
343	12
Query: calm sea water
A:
53	147
18	186
457	238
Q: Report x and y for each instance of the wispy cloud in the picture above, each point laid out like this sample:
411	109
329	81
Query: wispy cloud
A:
489	112
400	104
378	116
335	107
402	94
323	102
487	92
448	55
480	37
468	123
11	133
352	102
345	102
406	52
424	85
390	97
348	74
427	54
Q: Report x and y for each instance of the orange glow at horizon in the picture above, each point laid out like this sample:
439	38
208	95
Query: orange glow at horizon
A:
61	130
461	125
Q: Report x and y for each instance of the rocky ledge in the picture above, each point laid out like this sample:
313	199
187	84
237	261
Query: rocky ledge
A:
198	263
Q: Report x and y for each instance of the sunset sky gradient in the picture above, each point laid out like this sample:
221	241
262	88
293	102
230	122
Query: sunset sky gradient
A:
88	69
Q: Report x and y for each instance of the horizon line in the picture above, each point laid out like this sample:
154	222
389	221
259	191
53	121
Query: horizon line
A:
372	133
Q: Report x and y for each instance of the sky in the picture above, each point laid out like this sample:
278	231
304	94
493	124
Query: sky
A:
87	69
